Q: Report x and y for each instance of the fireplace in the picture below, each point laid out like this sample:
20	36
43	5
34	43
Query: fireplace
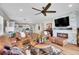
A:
62	35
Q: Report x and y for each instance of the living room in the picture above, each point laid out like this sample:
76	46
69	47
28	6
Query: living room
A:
24	25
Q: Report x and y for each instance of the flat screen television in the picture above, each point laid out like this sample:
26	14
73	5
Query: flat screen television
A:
62	22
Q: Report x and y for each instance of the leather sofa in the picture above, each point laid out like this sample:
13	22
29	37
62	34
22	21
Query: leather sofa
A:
58	40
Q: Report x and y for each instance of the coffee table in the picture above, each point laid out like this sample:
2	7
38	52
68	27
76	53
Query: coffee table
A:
40	46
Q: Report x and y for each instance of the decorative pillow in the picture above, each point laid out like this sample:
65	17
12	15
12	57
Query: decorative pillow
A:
56	51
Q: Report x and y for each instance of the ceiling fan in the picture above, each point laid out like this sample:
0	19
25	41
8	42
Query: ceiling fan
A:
45	10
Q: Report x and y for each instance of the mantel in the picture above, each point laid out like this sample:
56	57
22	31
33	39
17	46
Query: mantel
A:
62	28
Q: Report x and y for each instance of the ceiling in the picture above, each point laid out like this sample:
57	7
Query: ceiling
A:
28	14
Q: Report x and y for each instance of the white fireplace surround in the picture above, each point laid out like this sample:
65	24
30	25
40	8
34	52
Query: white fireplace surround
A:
71	35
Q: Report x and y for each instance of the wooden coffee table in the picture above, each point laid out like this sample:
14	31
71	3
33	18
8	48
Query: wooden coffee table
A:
41	46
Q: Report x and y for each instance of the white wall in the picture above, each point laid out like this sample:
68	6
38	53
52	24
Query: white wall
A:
73	24
5	17
77	19
1	26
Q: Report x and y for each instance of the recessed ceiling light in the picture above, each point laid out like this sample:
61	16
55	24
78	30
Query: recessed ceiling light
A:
21	10
70	5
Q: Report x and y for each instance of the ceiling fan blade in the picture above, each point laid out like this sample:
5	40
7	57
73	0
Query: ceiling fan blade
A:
48	5
50	11
36	9
44	13
42	7
38	13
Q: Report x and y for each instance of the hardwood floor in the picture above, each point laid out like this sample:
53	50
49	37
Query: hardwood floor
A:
68	49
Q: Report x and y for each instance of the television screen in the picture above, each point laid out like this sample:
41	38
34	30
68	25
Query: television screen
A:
62	22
